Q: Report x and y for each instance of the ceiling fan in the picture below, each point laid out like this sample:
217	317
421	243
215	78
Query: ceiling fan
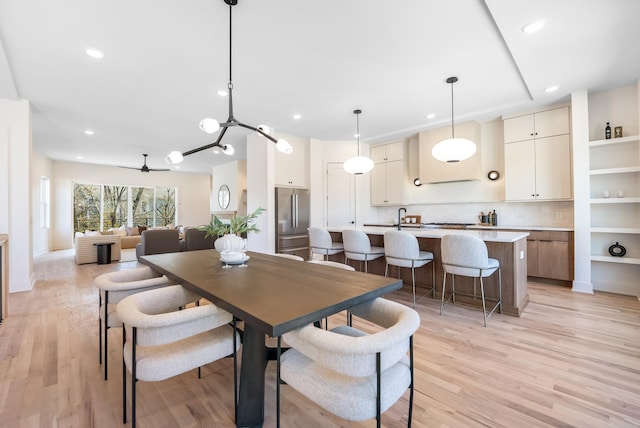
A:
144	167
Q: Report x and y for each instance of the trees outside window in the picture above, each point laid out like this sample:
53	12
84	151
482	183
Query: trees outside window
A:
101	207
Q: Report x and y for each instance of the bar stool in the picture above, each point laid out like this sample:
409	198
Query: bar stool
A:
357	246
467	256
321	243
401	249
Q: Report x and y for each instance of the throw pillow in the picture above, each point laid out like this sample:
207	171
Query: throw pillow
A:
92	233
141	229
132	231
121	231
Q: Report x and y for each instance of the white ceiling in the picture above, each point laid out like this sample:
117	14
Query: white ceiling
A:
166	59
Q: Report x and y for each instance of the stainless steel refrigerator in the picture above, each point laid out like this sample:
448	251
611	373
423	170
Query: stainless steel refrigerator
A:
292	221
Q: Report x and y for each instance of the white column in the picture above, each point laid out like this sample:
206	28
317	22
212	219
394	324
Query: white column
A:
581	183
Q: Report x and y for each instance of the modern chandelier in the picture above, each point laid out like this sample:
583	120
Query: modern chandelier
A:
453	149
358	165
211	126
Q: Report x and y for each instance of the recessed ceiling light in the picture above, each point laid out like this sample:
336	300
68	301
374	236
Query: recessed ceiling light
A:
431	115
356	135
223	93
552	88
533	26
95	53
89	131
79	157
297	116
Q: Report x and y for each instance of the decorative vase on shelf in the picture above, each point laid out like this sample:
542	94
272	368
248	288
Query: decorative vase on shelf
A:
229	242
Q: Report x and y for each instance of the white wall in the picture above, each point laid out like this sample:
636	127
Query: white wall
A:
234	175
322	152
40	167
193	193
15	188
260	192
484	190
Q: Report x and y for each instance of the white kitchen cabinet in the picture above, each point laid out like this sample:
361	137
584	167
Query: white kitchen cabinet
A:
537	125
388	177
291	169
537	156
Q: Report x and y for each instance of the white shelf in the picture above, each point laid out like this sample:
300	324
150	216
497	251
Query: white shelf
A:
621	170
629	139
615	200
610	259
625	230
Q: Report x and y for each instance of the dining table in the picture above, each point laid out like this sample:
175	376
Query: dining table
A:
272	295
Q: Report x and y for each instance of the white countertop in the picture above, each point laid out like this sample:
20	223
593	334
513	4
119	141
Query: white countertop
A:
492	235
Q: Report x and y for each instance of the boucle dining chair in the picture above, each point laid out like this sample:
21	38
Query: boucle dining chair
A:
357	246
112	288
352	374
337	265
321	243
289	256
468	256
161	342
401	249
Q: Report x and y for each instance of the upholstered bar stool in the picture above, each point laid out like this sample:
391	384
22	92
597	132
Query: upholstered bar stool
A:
468	256
321	243
401	249
112	288
357	246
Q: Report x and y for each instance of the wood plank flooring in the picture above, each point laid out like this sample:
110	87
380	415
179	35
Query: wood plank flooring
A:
571	360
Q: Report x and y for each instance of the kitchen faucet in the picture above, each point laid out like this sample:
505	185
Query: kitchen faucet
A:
405	213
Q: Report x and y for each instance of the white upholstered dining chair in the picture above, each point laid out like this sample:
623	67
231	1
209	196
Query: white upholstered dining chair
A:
357	246
161	342
466	255
350	373
321	243
112	288
401	249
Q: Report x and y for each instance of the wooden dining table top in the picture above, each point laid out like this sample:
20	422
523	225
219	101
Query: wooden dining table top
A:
273	294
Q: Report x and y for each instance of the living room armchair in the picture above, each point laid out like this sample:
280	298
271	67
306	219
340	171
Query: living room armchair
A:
158	241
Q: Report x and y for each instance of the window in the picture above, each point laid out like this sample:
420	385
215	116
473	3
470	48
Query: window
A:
45	203
101	207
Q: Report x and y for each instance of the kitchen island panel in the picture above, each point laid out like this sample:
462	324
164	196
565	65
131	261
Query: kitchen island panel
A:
510	248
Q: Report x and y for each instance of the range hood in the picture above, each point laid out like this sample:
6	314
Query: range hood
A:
435	171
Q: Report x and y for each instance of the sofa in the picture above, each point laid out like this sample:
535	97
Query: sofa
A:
123	237
87	252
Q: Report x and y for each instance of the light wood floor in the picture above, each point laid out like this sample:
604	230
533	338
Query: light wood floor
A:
570	360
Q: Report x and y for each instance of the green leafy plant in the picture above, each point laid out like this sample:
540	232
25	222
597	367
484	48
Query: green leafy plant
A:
237	225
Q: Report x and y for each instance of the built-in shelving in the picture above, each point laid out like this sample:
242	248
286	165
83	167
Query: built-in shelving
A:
610	259
615	166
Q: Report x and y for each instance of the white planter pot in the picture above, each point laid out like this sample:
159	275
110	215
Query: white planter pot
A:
228	242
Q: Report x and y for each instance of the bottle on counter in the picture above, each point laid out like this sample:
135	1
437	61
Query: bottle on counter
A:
494	218
607	132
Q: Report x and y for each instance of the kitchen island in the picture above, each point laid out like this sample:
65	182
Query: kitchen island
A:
509	248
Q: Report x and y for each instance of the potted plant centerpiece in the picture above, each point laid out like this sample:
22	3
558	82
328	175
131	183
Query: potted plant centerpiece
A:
231	231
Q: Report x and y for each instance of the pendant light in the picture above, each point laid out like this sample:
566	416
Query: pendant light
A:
453	149
358	165
211	126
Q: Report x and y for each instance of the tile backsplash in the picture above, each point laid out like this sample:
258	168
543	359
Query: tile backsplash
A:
538	214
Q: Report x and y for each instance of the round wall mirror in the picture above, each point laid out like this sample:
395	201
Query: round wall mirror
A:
224	196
